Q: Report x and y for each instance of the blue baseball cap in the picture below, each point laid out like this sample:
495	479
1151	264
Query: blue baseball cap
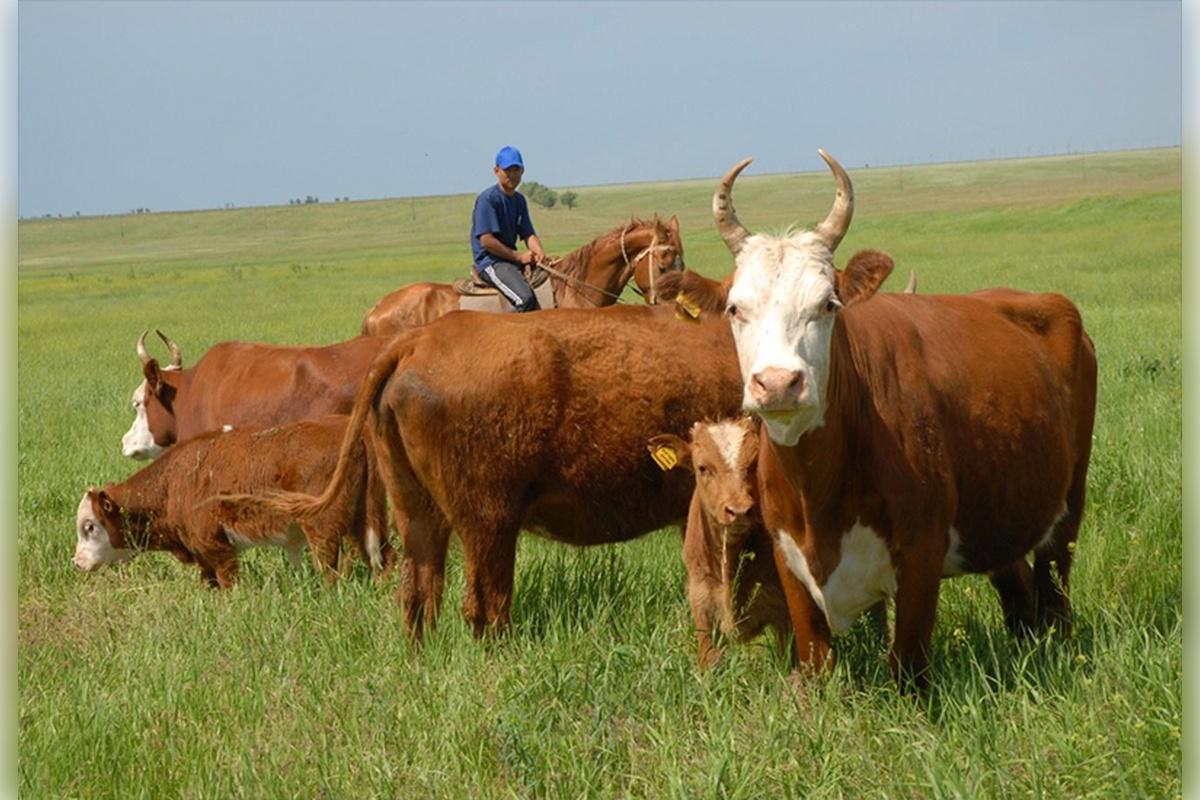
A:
509	157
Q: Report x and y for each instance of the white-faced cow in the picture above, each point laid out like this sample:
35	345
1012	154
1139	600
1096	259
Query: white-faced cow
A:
906	437
169	505
239	384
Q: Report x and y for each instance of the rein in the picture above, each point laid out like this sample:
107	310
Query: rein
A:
577	282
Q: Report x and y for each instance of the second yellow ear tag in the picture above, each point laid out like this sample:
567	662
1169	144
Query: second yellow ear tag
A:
688	306
665	457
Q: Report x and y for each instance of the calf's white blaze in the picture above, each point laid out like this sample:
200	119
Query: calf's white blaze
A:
781	289
138	442
864	575
728	436
93	545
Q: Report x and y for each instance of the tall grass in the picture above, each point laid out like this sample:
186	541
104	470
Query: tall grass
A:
139	682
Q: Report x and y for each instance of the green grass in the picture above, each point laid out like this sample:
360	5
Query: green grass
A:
138	681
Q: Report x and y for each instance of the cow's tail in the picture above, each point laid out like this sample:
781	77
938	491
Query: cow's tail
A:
302	506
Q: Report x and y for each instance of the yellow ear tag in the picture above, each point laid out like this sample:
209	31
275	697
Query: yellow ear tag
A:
665	457
688	306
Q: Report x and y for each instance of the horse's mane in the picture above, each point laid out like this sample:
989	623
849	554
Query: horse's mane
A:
573	263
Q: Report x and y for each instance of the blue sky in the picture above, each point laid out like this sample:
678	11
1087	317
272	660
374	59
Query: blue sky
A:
175	105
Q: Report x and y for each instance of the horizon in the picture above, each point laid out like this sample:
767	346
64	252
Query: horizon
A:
615	185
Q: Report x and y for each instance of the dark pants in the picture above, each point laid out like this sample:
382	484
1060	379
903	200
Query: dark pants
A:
510	281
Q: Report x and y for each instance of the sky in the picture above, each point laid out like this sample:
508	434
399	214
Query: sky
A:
199	104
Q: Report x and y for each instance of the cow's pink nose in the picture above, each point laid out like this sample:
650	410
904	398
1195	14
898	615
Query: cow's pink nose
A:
775	386
736	511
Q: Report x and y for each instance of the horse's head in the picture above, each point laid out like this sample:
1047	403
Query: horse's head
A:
659	251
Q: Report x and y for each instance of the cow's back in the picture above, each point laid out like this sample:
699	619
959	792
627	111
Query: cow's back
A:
253	384
549	413
297	456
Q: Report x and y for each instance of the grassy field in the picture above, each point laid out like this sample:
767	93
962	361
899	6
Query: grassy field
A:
140	682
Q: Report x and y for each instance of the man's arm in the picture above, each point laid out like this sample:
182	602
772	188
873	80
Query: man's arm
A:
506	253
535	246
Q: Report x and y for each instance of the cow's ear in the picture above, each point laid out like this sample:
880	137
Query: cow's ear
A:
863	276
106	503
669	451
150	372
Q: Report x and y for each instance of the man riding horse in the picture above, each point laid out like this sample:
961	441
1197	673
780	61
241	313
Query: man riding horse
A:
501	216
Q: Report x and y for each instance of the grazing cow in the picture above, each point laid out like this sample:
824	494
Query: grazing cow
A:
239	384
489	423
906	437
732	585
169	505
590	276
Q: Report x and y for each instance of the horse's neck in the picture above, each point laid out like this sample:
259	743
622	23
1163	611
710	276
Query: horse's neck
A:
608	266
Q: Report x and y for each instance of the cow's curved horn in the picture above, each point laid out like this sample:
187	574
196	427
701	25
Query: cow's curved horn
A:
911	286
176	354
141	348
831	231
732	231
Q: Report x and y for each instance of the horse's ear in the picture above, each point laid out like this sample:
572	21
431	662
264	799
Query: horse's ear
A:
673	223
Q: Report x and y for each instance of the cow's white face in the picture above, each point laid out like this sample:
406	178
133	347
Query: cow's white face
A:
94	543
138	442
782	305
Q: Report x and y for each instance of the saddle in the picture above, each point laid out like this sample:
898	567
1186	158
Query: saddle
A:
475	286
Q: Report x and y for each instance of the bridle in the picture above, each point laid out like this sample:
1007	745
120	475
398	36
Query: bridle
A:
652	250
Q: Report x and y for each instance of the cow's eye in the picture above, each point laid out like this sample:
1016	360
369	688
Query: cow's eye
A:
702	469
733	312
832	305
88	528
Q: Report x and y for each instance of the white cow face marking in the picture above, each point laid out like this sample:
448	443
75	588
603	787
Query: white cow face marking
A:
138	442
781	306
93	543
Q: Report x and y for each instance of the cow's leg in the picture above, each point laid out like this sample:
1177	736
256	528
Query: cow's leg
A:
218	561
425	538
916	611
1014	584
491	555
701	596
1052	563
811	647
423	529
325	546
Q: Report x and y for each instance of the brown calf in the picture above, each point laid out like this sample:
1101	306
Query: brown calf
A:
170	504
732	585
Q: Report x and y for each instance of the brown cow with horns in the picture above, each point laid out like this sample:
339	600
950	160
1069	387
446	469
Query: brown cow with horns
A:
906	437
238	384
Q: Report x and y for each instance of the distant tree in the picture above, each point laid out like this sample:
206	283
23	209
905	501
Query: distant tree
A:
568	199
542	195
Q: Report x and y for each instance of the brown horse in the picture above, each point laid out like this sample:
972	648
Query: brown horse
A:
591	276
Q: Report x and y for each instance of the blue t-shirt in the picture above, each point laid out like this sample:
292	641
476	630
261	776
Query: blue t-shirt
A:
506	218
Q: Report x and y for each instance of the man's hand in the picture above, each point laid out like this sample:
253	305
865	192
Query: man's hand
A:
527	258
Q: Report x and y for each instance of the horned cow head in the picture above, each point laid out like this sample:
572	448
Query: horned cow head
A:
782	304
153	428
